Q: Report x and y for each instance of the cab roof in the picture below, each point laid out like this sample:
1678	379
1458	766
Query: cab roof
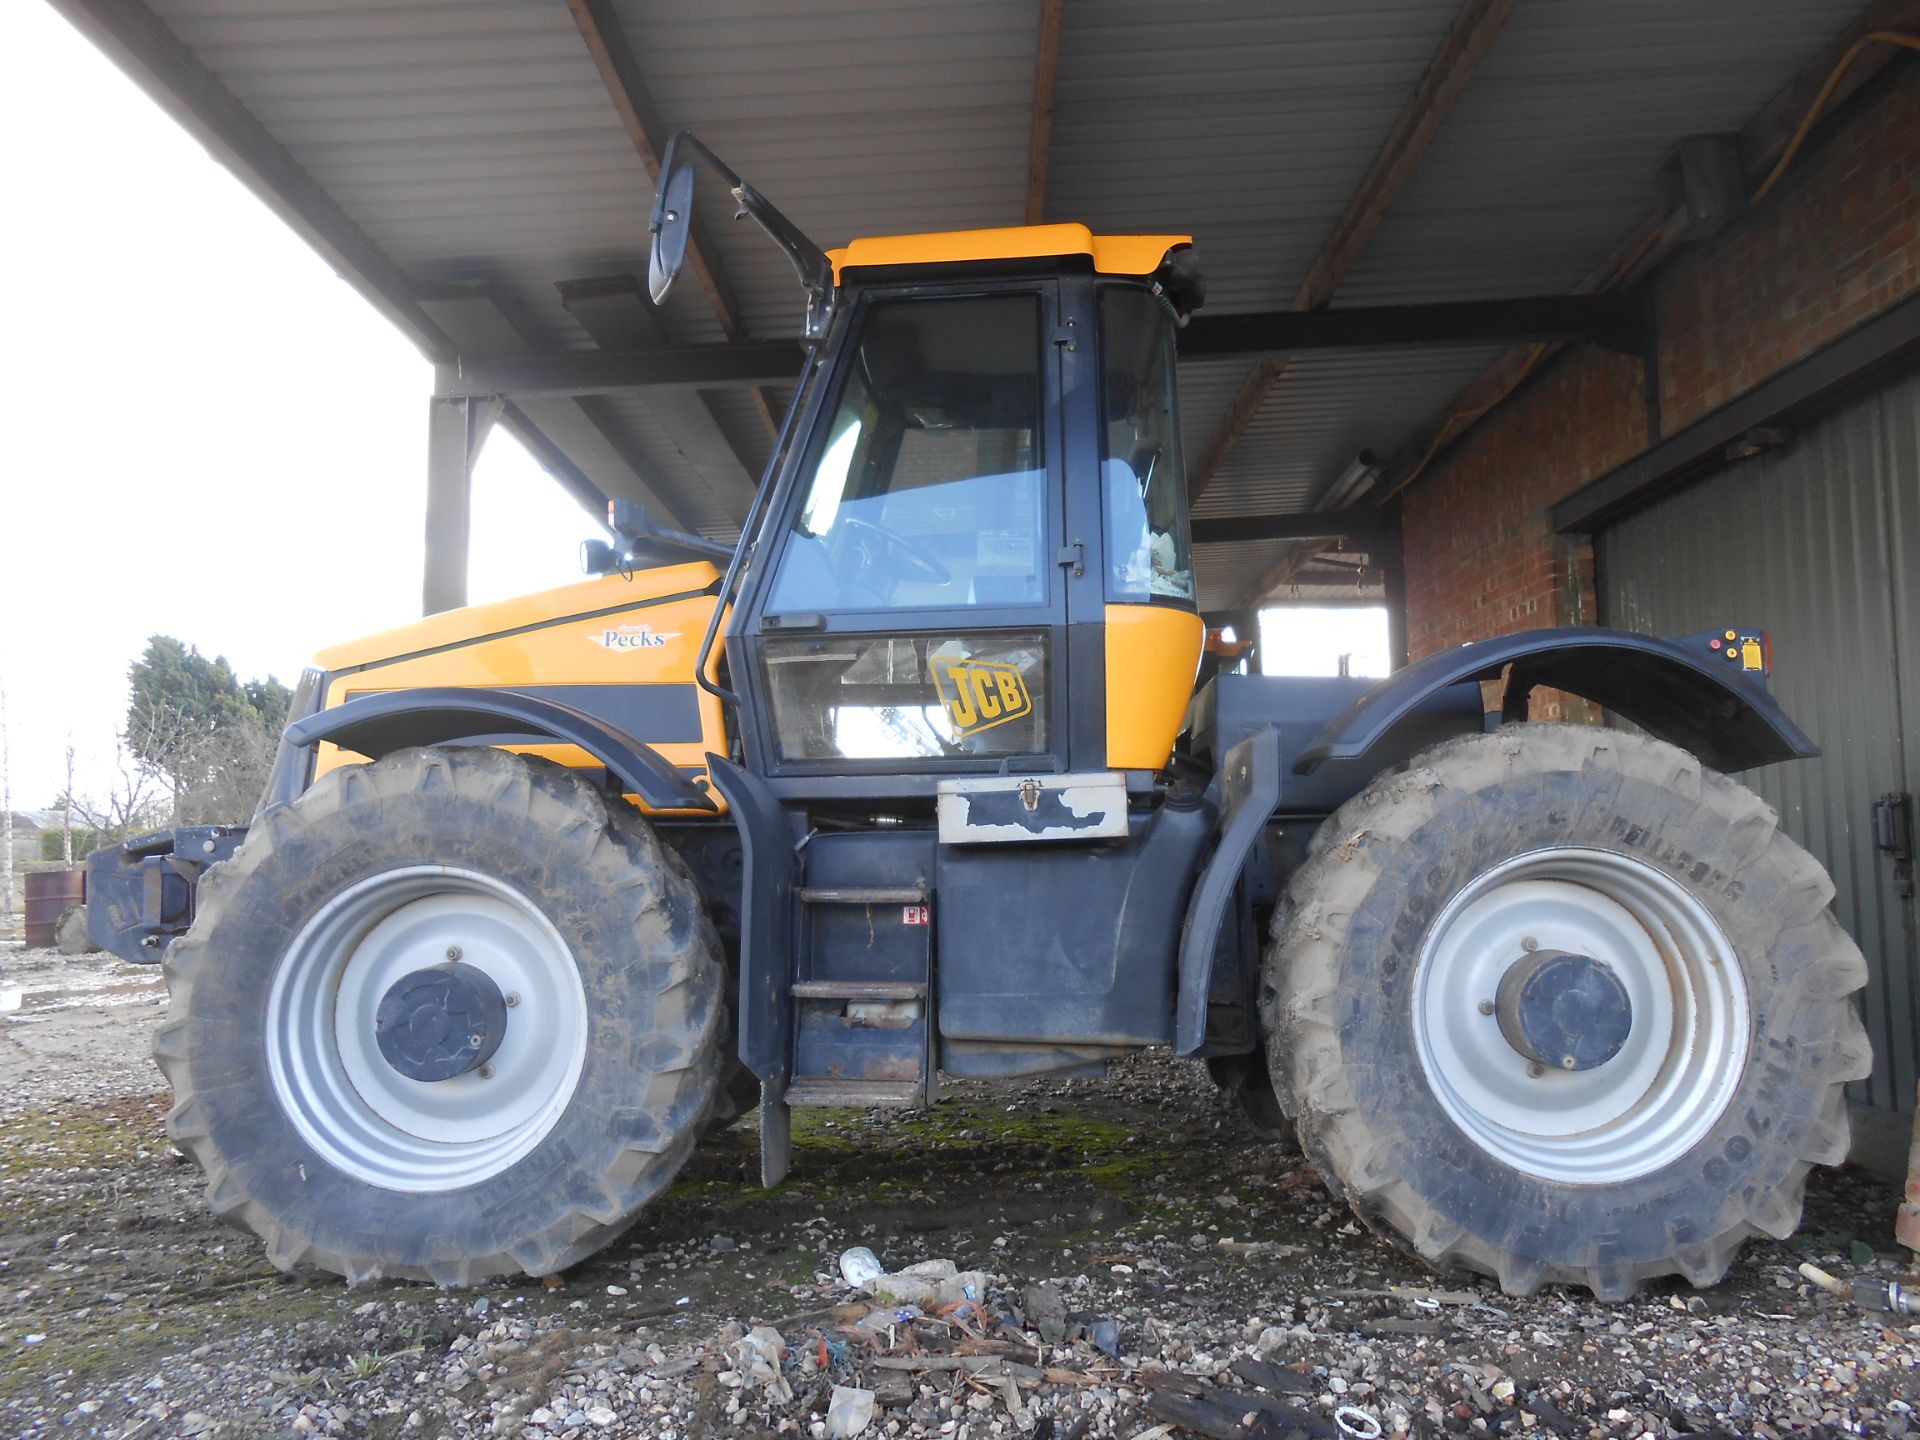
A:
1111	254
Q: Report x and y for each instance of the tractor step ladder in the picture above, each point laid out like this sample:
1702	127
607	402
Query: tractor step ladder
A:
863	997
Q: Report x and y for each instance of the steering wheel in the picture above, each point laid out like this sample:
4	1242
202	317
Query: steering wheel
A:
874	540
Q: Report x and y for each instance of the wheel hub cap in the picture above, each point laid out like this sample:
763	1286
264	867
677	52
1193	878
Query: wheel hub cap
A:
1594	956
443	1021
1566	1010
388	1044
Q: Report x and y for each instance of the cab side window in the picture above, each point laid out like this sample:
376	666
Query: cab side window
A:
1143	475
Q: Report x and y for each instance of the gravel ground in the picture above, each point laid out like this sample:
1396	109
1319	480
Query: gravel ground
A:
1240	1298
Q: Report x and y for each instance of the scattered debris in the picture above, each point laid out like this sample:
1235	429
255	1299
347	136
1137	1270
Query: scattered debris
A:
1126	1280
1887	1296
849	1412
859	1265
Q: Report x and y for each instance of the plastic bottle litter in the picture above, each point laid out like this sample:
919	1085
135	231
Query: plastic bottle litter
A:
859	1265
756	1356
929	1284
849	1412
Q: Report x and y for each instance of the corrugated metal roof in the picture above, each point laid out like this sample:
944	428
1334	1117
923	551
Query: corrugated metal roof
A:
1324	410
1241	122
474	142
854	118
1552	154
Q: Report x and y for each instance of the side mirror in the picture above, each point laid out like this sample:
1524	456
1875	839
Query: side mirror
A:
671	225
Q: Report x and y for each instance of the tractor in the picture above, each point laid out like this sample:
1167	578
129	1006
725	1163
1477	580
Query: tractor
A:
931	774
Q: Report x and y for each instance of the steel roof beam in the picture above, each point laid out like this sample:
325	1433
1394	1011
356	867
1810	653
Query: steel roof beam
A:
620	72
685	367
1046	67
1605	320
1363	527
1459	54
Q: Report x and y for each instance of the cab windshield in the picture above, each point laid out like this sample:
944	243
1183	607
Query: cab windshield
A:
929	492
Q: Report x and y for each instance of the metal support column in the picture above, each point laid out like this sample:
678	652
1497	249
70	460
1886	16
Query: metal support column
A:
456	429
1391	558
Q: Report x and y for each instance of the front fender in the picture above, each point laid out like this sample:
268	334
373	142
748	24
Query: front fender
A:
376	725
1676	690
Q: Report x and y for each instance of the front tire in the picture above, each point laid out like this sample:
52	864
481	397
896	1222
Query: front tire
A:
519	1125
1645	1126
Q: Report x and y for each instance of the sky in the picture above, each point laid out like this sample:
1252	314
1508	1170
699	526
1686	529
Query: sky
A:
209	434
1310	639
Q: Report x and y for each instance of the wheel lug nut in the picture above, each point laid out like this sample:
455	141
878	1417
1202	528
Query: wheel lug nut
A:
486	1072
513	998
1529	943
1486	1007
453	952
1534	1069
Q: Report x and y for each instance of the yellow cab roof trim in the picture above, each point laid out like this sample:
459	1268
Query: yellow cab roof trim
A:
1111	254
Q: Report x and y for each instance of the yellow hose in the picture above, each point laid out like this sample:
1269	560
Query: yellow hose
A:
1882	37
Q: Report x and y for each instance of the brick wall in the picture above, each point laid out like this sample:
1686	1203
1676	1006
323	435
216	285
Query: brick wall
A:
1481	557
1836	242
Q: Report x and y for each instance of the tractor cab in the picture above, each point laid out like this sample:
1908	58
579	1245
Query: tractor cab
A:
970	554
977	557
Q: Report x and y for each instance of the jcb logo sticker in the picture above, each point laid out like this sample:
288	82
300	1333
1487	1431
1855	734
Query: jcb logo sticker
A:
980	694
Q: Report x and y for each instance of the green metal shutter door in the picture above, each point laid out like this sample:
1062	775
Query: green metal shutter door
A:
1818	543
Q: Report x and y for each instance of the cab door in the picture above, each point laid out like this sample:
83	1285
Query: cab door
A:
911	612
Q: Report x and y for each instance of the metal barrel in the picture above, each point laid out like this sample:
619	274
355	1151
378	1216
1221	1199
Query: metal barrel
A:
50	894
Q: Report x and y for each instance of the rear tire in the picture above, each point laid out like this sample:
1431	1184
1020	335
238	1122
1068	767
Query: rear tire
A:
610	1007
1397	1067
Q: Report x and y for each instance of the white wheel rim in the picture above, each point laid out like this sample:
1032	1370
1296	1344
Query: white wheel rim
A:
1673	1077
356	1110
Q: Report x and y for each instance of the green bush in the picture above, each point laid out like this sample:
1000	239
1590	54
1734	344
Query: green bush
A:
83	841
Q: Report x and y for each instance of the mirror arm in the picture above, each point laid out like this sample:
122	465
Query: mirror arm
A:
810	263
690	544
635	528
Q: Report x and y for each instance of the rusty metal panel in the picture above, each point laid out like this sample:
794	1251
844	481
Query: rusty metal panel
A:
1816	543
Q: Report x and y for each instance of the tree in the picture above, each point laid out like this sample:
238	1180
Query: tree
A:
206	737
134	803
269	699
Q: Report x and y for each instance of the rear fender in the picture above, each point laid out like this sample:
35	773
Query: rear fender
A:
1680	691
377	725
